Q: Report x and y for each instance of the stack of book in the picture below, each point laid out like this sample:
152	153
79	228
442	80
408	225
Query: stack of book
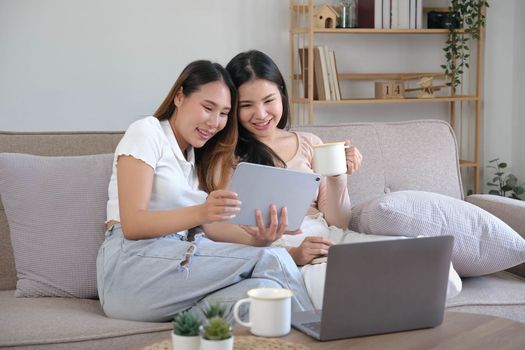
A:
390	14
326	80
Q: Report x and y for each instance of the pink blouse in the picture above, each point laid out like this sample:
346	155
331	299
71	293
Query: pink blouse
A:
332	199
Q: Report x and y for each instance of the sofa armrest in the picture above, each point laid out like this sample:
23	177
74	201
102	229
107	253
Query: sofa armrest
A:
510	211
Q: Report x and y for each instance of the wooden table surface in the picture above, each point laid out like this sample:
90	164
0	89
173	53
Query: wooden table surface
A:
458	331
462	331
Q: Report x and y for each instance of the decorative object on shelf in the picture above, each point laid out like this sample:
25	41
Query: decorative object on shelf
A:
426	87
325	16
185	333
470	14
389	89
216	334
442	20
348	15
506	185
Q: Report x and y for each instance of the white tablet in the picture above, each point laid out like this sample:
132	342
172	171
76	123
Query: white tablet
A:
258	186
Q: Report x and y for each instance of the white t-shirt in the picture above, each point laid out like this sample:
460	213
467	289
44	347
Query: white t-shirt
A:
175	182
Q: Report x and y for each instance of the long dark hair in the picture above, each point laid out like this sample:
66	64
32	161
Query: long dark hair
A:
245	67
218	152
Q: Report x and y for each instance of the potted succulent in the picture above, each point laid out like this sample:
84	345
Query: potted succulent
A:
216	334
215	309
185	333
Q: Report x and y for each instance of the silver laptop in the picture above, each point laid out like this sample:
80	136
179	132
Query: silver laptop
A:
381	287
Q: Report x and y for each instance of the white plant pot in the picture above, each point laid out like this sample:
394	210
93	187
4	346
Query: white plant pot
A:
226	344
180	342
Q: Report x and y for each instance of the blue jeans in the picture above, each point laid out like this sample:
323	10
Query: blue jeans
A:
153	279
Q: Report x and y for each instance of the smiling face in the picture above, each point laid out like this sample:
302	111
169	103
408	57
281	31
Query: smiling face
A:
201	115
260	107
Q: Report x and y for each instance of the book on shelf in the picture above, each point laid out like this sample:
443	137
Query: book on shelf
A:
326	79
320	73
378	14
419	14
303	61
386	14
402	14
335	77
416	14
394	16
329	74
412	15
365	13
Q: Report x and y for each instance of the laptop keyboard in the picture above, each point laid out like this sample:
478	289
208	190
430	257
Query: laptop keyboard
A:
314	326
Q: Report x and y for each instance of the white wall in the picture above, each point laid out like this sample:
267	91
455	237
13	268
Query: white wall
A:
100	64
518	113
504	87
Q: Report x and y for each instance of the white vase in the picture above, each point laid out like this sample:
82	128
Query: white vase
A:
226	344
182	342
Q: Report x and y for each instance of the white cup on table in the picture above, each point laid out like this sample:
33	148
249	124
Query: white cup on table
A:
270	311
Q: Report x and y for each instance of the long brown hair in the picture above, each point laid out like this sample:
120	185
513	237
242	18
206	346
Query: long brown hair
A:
214	160
245	67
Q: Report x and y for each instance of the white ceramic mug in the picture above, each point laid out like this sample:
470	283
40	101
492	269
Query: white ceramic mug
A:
330	158
269	313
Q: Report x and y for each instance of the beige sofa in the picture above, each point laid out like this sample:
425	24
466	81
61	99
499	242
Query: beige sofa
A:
398	156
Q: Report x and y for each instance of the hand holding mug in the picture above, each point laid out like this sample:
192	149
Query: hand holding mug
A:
336	158
353	158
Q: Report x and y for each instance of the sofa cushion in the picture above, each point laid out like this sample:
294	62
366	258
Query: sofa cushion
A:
483	244
398	156
500	294
75	323
510	210
56	208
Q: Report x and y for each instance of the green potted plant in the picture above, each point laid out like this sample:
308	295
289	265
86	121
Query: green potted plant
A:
216	334
505	185
470	15
185	333
215	309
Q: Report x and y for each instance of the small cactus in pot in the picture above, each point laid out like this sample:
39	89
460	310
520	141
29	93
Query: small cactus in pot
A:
185	333
216	332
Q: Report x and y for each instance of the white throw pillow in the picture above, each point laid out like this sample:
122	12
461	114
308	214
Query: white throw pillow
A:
483	244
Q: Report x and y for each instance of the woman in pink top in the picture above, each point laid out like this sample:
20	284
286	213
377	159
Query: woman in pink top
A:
264	139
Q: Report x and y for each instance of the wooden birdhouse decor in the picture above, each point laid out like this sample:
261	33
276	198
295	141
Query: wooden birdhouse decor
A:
325	17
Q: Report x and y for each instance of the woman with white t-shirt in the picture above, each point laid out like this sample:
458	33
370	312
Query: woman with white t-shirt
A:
154	261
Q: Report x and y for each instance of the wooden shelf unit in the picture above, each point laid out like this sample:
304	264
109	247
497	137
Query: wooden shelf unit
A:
301	9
